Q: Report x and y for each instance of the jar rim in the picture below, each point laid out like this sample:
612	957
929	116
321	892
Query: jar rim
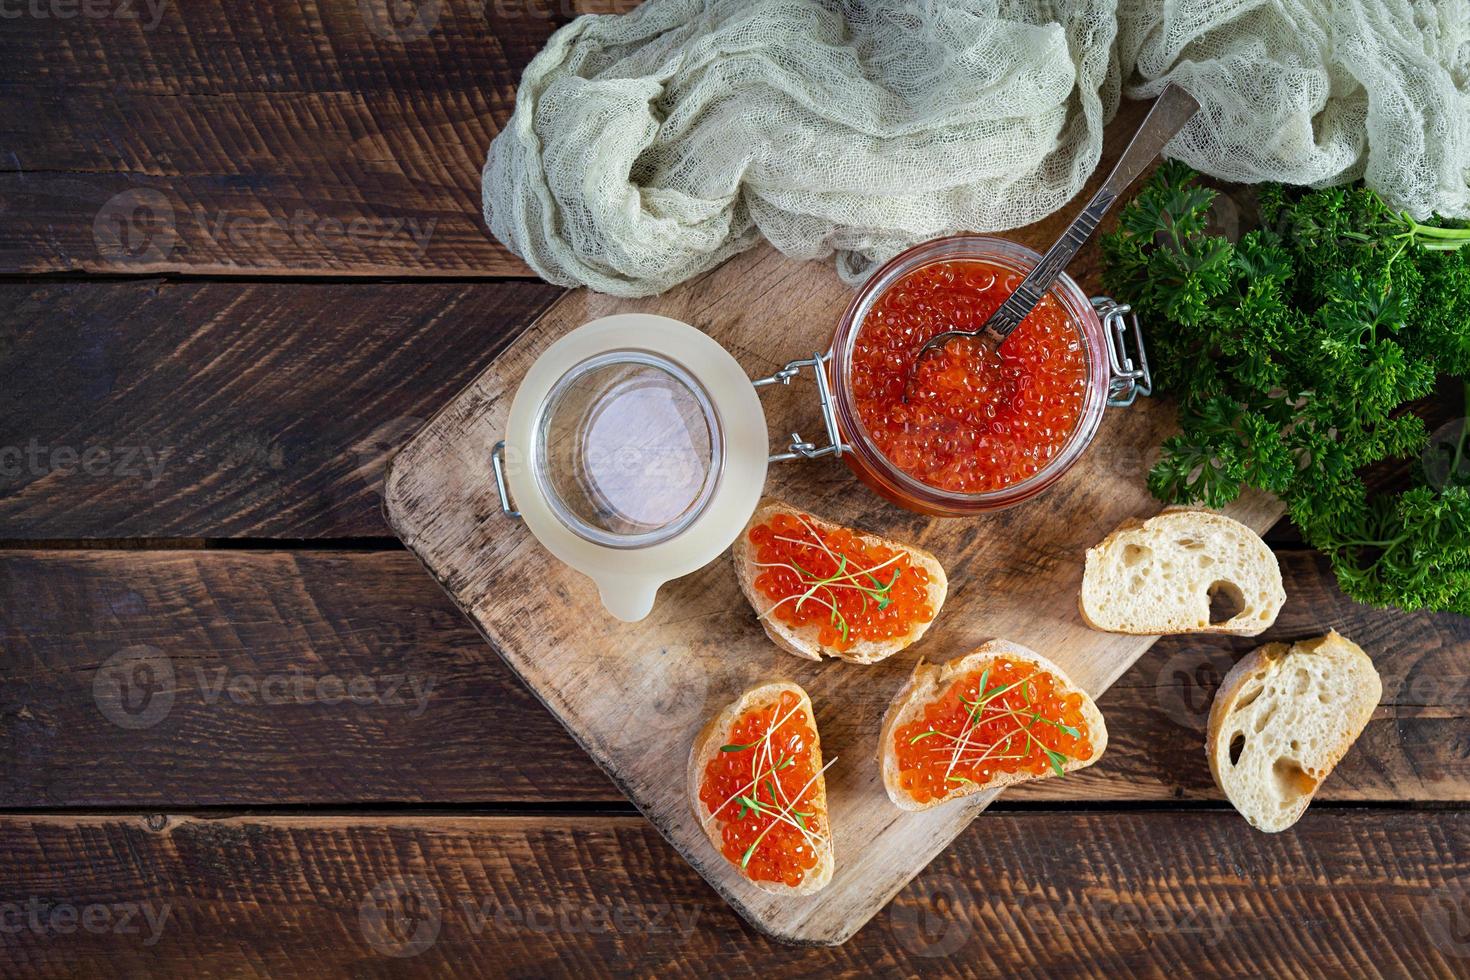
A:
1017	258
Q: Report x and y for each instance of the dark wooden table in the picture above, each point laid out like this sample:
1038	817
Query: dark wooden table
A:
242	733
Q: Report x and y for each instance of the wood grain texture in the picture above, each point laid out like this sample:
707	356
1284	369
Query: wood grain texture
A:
187	678
1013	574
292	136
153	409
1043	894
326	614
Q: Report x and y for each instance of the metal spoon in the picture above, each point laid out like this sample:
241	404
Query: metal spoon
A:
1170	112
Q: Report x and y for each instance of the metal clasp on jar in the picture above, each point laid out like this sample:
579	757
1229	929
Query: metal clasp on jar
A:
801	448
1128	379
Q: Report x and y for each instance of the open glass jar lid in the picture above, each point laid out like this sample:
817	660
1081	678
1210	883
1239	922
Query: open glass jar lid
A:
635	452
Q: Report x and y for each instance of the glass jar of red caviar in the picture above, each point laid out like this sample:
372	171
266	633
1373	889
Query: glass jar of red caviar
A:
1044	391
637	434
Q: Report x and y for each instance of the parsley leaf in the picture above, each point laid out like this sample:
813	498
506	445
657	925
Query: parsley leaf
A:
1293	354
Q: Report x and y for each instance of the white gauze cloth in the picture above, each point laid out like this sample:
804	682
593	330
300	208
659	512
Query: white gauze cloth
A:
649	147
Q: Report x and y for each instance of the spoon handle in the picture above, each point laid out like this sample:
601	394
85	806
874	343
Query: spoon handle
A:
1173	108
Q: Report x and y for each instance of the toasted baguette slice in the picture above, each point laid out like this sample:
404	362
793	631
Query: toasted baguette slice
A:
804	642
707	746
1291	713
929	682
1160	575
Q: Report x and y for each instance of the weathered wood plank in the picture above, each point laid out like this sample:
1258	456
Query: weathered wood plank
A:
195	677
291	137
271	617
1034	894
154	409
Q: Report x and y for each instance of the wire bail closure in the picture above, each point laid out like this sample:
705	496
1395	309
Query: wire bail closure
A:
1127	381
800	447
497	463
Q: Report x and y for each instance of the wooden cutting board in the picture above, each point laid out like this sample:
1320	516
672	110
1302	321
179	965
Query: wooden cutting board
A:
634	695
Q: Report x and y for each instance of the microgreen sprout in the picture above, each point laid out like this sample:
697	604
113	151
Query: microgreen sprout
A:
781	807
823	589
984	709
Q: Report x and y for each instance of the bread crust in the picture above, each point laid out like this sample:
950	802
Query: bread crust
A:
1250	628
707	746
1257	666
929	681
804	642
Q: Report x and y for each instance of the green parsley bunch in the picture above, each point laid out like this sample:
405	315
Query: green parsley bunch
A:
1293	354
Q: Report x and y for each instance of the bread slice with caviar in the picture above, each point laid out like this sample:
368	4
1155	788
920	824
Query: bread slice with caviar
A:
1164	574
1014	717
773	781
1282	719
863	600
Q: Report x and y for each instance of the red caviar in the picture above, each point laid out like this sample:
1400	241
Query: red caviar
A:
770	760
832	578
969	736
976	419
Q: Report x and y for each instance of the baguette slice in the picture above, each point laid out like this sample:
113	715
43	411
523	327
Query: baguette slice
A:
804	642
930	681
707	746
1291	712
1159	576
